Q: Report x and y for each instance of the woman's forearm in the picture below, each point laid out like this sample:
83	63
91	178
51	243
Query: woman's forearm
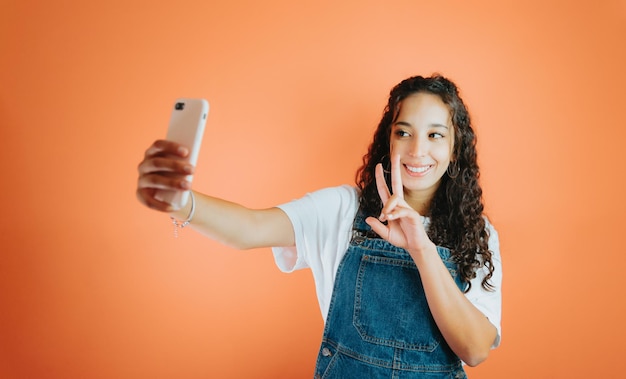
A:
236	225
466	330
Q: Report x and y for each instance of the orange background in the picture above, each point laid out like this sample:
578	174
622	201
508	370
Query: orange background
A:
93	285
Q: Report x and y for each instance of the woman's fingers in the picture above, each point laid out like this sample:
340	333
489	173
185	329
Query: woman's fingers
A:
398	223
396	176
378	227
381	184
147	196
395	208
165	165
392	199
164	168
388	207
398	212
163	182
165	147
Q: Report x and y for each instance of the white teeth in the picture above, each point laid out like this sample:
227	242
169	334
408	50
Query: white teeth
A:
418	169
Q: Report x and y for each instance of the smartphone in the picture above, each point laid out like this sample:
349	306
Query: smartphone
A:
186	127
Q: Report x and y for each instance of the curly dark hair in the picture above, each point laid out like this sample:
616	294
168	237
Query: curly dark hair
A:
456	210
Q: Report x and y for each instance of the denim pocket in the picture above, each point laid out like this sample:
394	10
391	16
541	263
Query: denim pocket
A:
390	306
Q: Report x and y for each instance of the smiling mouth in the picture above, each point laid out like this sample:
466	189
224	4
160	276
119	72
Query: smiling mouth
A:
417	169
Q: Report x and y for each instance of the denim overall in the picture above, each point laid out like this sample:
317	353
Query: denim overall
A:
379	324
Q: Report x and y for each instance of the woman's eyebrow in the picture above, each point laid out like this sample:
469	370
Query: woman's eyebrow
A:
402	123
434	125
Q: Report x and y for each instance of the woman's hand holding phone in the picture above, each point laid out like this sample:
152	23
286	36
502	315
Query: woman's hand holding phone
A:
165	174
165	167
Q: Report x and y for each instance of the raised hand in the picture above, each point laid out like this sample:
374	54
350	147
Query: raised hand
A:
164	167
404	225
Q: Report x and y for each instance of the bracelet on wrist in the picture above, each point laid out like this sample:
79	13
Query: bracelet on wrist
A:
181	224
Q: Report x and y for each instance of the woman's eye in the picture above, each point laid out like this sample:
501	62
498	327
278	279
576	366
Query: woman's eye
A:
436	135
402	133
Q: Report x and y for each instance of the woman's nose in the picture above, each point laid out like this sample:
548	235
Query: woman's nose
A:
419	146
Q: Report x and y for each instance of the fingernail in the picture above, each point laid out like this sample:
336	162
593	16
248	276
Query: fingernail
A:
183	151
188	169
185	185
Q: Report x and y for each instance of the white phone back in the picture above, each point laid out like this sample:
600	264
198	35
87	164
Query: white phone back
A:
186	127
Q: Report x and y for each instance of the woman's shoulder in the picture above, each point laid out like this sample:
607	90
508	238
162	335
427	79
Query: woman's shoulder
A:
343	194
339	201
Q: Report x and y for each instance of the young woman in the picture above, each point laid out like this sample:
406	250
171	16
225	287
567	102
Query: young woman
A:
407	268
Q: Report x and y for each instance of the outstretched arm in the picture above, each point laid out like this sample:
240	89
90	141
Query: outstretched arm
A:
466	330
165	167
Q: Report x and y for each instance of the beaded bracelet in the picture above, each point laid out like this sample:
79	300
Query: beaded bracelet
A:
178	224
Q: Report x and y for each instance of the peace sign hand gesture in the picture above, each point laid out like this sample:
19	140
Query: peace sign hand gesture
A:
404	225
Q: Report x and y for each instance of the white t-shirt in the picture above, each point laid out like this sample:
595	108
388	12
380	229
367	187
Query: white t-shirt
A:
322	222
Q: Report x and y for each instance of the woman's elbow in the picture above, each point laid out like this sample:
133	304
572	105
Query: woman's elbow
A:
475	357
476	350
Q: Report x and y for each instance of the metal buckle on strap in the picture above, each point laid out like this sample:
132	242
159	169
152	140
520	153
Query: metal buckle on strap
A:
358	236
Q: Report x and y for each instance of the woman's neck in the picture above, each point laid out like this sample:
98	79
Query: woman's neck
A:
419	201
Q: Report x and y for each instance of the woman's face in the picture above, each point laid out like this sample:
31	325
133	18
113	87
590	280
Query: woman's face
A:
423	136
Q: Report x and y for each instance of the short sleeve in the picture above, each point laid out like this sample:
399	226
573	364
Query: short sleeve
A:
322	223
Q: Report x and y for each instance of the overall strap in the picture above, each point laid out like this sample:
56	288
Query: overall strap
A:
360	229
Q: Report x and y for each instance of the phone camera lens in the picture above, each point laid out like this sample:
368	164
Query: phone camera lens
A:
179	106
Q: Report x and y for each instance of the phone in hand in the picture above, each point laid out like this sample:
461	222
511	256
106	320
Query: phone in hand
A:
186	127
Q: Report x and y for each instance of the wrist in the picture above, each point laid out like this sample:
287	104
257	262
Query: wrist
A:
425	254
188	209
182	213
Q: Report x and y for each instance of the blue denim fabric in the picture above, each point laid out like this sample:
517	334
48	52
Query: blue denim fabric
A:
379	324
